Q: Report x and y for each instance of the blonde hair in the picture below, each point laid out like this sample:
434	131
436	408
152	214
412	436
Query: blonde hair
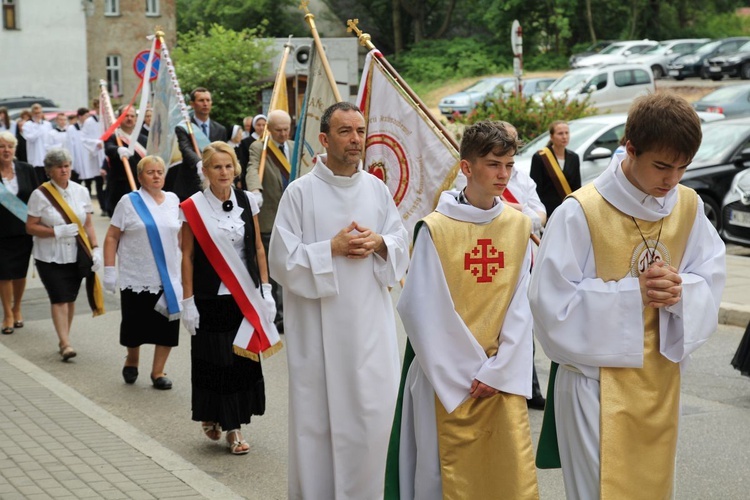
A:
220	147
145	161
8	137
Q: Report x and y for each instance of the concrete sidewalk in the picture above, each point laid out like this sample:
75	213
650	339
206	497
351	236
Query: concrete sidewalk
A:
56	443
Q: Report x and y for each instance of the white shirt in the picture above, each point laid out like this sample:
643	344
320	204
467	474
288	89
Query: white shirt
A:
12	184
36	141
136	264
230	223
58	250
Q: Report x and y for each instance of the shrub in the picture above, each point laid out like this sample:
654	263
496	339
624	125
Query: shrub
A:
530	116
433	60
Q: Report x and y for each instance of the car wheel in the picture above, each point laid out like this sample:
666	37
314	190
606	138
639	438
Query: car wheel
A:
745	71
679	78
712	210
705	75
657	71
716	78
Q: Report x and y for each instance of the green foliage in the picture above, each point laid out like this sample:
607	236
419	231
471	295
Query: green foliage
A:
546	61
434	60
728	24
272	16
530	117
231	64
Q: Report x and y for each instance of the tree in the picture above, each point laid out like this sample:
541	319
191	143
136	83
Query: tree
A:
231	64
274	15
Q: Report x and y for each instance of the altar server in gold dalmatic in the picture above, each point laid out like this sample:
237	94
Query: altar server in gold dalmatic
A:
626	286
462	426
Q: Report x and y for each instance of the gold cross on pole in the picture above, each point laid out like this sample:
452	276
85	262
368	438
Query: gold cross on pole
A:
364	38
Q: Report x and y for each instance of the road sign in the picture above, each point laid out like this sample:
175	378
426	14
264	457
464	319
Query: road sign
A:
516	38
139	64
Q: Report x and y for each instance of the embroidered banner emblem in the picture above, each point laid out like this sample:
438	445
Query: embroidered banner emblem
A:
484	261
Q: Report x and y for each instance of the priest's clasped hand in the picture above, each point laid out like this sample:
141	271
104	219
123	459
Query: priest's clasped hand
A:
661	285
481	390
357	246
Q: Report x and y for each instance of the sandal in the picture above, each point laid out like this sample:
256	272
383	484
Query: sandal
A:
209	428
236	446
7	330
67	352
18	324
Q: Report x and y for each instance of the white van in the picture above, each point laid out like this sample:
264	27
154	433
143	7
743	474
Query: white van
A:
612	87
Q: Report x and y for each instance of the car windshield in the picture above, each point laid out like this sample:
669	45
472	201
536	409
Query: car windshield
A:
708	48
719	139
655	50
485	85
726	94
569	82
744	48
579	133
613	49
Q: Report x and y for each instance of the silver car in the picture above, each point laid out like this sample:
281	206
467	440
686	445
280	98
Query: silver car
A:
658	57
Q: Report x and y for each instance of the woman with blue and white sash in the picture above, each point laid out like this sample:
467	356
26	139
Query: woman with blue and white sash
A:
18	182
144	237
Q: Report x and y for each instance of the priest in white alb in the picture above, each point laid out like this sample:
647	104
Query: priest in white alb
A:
462	426
627	284
338	243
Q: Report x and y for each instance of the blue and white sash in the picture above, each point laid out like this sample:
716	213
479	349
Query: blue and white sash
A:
13	203
157	248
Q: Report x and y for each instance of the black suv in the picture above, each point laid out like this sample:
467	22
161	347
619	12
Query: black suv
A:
734	64
25	102
692	64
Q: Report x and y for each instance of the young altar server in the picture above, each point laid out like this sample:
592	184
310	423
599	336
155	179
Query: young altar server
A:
462	426
626	285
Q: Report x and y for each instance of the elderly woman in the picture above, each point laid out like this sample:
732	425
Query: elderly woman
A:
18	183
144	235
556	169
65	247
223	270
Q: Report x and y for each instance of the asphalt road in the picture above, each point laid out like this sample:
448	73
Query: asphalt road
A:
712	456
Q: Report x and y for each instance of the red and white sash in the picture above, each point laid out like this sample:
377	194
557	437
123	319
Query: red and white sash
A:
257	335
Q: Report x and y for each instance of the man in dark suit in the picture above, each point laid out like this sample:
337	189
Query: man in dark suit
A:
185	179
275	180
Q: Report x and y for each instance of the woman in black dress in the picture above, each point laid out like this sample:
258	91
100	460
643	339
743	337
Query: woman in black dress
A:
18	182
556	169
227	388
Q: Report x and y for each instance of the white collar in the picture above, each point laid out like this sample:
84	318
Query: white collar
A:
449	206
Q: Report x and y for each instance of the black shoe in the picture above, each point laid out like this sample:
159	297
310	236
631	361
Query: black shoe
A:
536	403
161	383
130	374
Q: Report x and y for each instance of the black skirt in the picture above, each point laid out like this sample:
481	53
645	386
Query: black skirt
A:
741	360
227	388
142	325
15	253
62	281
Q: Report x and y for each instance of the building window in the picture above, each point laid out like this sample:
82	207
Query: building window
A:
114	75
152	7
111	7
9	15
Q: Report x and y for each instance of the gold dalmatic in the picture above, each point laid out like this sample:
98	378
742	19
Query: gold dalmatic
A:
639	406
485	444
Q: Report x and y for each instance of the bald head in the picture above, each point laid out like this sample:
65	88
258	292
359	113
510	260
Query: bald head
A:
279	123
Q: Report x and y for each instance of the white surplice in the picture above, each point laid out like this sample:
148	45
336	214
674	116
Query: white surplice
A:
340	333
586	323
448	356
93	150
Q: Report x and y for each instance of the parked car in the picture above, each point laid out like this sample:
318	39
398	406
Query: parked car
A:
49	112
25	102
617	53
716	163
736	207
592	49
734	64
595	138
731	101
466	100
609	86
659	56
692	64
533	86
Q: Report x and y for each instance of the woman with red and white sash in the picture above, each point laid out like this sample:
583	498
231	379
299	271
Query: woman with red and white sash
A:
143	237
227	303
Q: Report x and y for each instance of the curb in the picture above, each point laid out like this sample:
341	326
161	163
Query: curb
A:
734	314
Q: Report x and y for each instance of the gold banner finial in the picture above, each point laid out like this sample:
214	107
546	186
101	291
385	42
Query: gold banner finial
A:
303	6
159	32
364	38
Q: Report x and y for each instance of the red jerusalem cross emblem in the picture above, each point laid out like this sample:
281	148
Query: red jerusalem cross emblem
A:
483	261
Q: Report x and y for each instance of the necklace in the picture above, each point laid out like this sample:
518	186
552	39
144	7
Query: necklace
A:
650	252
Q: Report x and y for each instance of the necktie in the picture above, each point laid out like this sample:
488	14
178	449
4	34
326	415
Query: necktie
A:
281	148
204	126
